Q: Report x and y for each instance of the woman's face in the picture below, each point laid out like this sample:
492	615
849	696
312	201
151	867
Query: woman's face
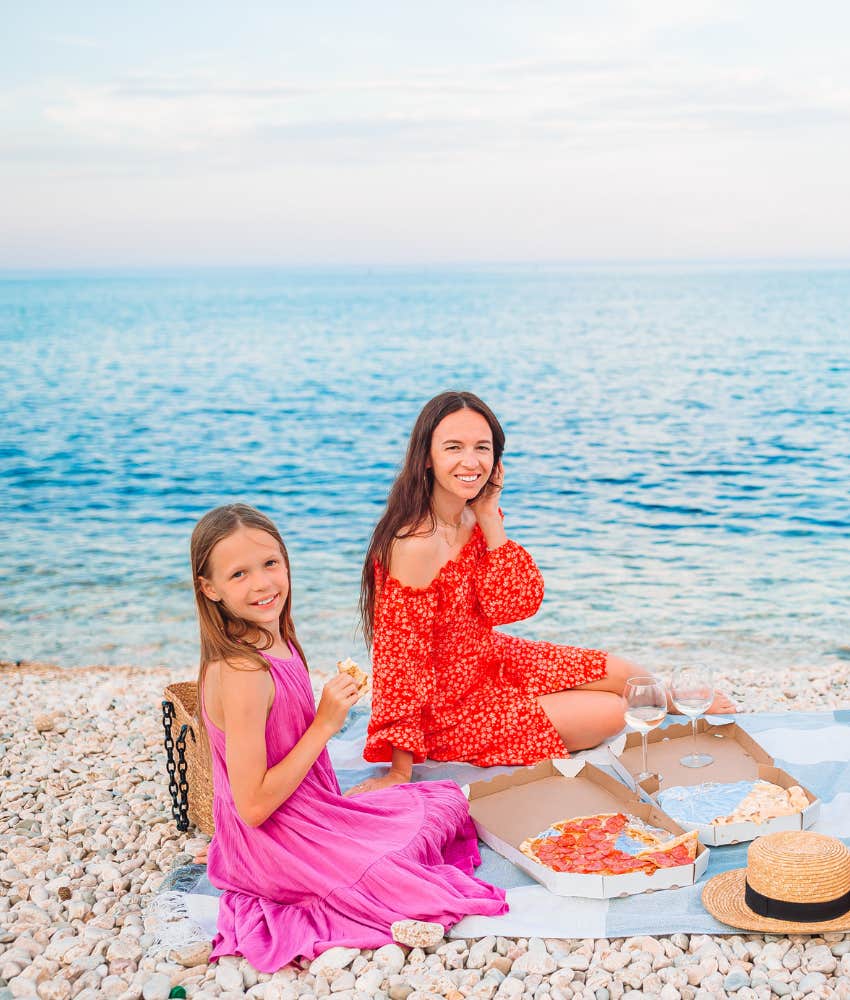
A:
461	454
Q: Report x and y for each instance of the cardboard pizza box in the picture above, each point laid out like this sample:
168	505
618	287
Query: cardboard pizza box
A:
509	808
737	757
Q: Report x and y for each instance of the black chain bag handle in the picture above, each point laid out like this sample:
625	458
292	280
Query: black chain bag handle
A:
183	784
179	792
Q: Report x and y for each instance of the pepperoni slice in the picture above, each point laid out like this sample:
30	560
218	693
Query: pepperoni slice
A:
615	824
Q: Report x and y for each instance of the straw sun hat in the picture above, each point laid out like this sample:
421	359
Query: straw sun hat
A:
795	882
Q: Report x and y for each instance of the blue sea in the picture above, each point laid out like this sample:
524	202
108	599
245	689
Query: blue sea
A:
677	461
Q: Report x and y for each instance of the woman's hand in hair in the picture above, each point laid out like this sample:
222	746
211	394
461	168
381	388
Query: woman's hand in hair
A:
486	509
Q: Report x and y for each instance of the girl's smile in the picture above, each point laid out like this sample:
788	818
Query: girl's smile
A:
248	575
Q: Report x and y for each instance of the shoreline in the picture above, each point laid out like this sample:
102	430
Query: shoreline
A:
86	838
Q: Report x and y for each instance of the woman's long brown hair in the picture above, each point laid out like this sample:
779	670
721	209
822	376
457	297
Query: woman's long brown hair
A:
225	636
409	510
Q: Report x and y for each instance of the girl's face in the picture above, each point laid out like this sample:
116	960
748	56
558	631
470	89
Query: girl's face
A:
461	454
247	573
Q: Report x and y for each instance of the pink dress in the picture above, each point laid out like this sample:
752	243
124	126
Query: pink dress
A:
326	870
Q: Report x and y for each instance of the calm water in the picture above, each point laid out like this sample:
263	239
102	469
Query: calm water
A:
678	450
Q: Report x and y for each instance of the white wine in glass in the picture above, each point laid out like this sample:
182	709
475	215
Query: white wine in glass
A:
692	691
645	707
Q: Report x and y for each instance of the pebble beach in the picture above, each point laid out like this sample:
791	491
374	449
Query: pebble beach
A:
86	839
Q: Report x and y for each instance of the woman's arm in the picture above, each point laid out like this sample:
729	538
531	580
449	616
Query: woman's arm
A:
487	512
258	789
508	583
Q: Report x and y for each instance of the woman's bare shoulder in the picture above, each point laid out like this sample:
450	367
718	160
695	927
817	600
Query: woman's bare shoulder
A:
414	558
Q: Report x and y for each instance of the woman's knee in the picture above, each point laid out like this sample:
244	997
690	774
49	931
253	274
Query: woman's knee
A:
618	671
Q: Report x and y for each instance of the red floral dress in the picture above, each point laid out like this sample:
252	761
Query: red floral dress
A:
446	685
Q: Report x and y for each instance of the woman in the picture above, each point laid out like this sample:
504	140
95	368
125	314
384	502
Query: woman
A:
440	573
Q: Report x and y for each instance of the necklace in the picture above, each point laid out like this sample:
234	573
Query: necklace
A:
449	524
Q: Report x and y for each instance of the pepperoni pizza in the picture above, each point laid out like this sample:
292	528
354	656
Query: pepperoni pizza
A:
594	845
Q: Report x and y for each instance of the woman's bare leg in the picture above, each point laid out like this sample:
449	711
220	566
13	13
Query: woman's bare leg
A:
618	671
584	719
592	713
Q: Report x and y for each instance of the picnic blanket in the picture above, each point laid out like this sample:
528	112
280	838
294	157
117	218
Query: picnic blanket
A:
814	747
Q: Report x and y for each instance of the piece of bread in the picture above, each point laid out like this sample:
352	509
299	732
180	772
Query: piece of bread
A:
361	679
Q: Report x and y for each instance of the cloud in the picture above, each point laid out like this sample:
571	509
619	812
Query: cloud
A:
513	107
74	41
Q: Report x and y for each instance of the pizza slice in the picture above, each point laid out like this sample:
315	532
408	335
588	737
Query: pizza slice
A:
680	850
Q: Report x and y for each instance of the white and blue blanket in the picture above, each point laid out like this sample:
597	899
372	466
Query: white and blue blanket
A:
813	747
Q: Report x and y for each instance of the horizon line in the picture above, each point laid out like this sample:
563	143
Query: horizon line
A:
750	263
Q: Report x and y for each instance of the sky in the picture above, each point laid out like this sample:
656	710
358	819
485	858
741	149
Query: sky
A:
212	133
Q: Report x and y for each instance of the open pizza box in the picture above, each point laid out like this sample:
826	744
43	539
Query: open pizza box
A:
737	757
509	808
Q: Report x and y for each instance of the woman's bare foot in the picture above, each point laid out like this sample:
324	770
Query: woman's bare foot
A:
722	705
384	781
201	856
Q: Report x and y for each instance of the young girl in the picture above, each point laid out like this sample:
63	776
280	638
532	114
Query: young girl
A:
440	573
302	867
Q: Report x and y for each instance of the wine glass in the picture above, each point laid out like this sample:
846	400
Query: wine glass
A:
692	691
645	702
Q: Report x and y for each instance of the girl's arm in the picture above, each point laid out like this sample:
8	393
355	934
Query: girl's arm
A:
258	789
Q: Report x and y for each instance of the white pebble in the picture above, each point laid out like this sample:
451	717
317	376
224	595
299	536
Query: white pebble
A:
810	982
819	959
510	989
390	958
417	933
157	987
370	981
480	952
535	963
191	955
332	960
228	978
735	979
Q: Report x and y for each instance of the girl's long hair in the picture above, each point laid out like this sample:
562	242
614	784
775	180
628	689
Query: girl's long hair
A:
409	510
225	636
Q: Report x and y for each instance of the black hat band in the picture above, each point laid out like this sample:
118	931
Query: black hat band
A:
805	913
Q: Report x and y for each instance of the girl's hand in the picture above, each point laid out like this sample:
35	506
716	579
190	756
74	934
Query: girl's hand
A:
338	695
386	781
486	505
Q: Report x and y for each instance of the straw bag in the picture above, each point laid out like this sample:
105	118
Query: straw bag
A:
188	759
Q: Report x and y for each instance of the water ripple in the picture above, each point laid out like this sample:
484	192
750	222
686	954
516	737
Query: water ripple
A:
677	454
